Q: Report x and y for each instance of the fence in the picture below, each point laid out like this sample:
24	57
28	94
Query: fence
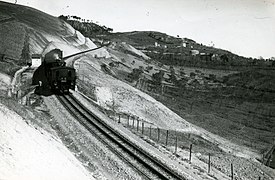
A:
167	138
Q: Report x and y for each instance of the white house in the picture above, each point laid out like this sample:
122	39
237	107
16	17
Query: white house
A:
36	60
195	52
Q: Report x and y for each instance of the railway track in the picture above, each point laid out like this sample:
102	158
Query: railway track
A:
146	165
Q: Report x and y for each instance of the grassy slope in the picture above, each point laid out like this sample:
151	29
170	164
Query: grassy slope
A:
258	80
242	121
242	111
32	18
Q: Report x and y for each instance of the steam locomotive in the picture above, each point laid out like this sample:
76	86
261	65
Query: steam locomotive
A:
53	76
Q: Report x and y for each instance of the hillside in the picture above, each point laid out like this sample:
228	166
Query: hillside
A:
257	80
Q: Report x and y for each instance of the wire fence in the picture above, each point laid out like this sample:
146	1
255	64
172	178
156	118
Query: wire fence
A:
170	138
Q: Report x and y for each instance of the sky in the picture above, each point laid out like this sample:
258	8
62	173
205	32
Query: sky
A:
244	27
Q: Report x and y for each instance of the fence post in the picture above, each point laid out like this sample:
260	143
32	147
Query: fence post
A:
133	124
128	120
176	144
232	172
166	141
114	118
137	124
158	134
119	118
209	163
190	153
142	125
29	99
150	131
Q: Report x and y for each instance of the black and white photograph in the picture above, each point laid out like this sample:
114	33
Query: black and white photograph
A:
137	90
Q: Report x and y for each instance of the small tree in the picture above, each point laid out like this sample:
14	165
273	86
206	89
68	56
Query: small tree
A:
110	30
148	68
65	18
135	74
158	77
25	54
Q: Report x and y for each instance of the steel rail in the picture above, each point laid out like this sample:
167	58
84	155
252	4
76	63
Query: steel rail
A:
118	143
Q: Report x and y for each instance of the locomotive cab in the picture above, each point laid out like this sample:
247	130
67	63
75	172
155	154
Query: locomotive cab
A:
62	79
